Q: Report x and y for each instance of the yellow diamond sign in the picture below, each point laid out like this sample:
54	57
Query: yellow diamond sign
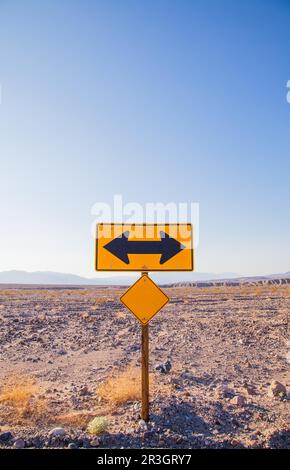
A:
144	299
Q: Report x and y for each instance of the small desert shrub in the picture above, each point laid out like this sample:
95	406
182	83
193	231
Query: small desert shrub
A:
82	292
19	401
97	425
258	291
18	391
287	291
100	300
122	388
8	293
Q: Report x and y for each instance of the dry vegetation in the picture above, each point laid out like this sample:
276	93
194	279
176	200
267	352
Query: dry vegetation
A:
21	403
123	387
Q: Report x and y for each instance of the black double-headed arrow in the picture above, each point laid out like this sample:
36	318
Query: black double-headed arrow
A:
167	247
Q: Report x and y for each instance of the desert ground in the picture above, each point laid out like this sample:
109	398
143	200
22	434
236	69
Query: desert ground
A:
219	368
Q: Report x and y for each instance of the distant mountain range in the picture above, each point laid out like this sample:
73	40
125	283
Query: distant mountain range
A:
49	277
54	278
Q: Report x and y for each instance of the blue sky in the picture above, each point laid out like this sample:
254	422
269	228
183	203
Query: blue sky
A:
159	101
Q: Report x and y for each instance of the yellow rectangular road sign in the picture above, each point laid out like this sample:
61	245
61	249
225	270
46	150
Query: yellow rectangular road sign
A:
144	299
144	247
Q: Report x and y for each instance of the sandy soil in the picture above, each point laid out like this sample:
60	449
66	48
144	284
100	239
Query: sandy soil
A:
225	345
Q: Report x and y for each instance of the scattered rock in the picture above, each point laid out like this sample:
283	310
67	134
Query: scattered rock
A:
6	436
57	432
61	352
72	445
84	391
277	389
142	425
86	443
249	389
36	442
238	400
95	442
164	368
224	392
19	444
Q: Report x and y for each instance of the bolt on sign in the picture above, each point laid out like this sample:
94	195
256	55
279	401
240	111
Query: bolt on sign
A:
144	247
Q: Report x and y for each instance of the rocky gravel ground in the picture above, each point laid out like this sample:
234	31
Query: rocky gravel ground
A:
219	368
